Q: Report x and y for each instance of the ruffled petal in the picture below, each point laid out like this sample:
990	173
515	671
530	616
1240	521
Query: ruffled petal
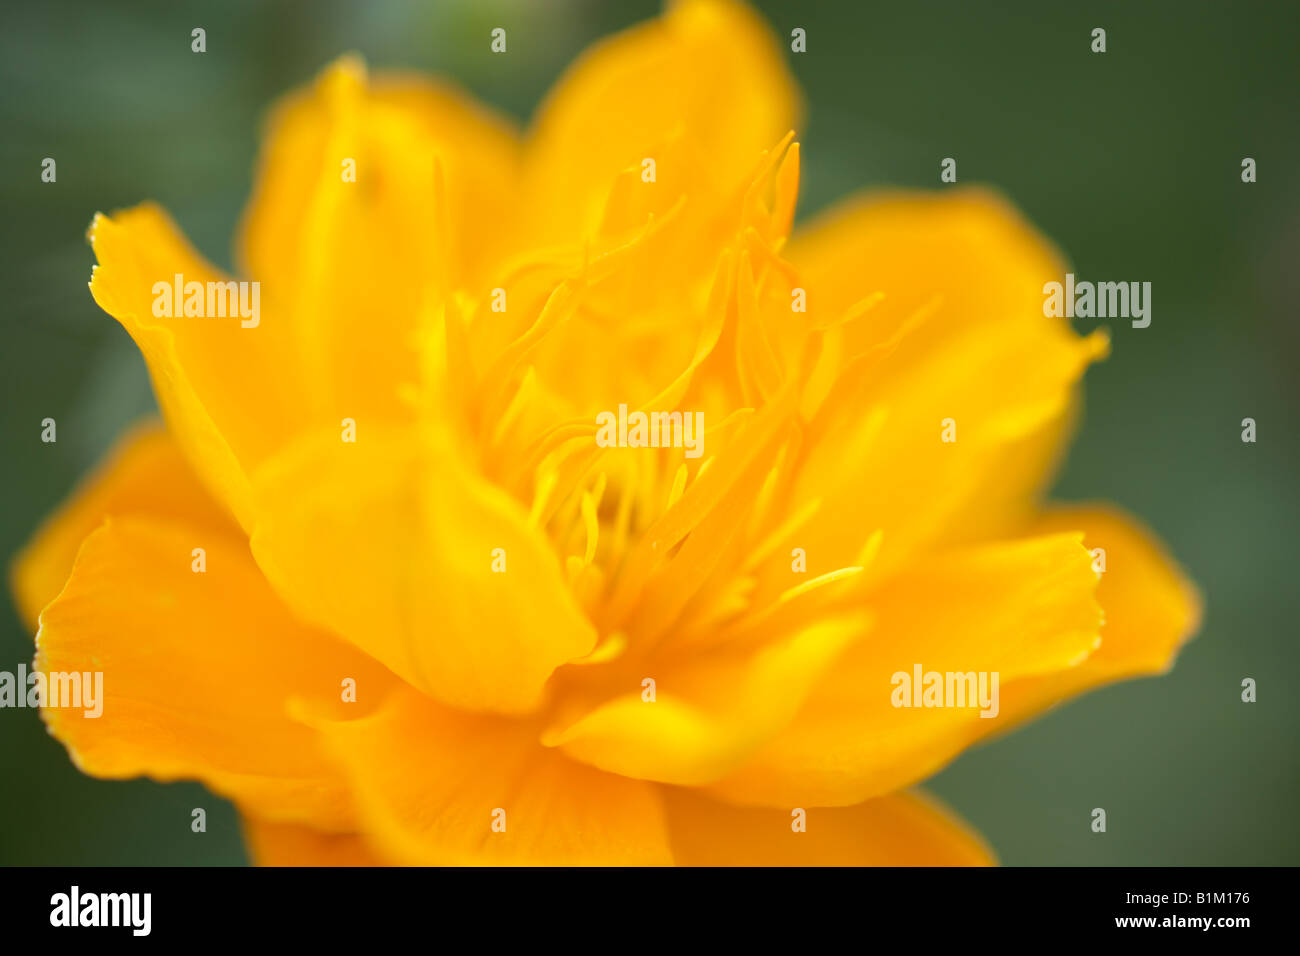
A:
948	423
1150	609
1019	609
230	393
145	474
197	672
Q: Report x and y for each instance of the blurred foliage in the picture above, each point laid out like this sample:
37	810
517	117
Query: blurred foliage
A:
1130	160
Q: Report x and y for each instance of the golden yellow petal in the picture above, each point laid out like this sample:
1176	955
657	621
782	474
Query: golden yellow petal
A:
144	474
228	392
902	829
703	90
374	199
709	710
290	844
949	424
391	542
1149	607
197	669
1020	609
437	786
968	246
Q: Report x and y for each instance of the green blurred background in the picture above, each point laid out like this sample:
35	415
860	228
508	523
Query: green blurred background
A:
1130	160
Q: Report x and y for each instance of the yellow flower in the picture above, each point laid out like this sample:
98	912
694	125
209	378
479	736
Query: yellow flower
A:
379	583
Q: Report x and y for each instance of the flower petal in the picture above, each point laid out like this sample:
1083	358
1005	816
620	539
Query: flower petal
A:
289	844
144	474
432	782
982	359
351	255
197	670
711	710
227	392
969	246
390	541
705	82
1021	609
902	829
1150	610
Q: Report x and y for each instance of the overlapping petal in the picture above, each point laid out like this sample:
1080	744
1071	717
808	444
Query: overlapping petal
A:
290	844
902	829
391	542
198	671
709	710
1022	609
1149	606
375	199
899	433
440	786
145	475
947	426
227	392
705	82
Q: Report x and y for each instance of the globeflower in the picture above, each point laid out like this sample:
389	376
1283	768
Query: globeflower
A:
548	498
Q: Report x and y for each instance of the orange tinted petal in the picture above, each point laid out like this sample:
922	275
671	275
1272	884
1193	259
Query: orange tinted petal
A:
1020	609
197	672
288	844
705	83
390	541
350	256
711	710
968	246
229	393
902	829
144	474
1150	608
431	782
980	356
